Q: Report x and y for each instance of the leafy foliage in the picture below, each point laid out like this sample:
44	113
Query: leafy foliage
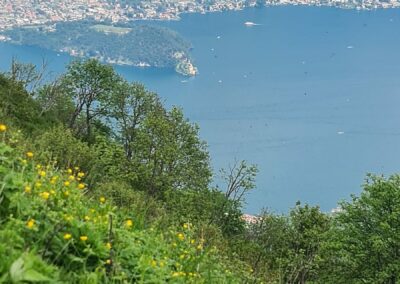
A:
52	232
100	183
364	244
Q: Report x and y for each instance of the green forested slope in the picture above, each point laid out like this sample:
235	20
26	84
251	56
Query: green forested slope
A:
100	183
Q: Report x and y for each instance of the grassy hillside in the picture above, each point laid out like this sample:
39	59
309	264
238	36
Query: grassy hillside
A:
53	230
100	183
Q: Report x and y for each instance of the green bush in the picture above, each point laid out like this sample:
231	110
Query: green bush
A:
53	230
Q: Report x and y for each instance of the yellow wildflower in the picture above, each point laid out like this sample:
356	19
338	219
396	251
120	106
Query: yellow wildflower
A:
68	218
87	218
200	247
45	195
53	181
3	127
129	223
102	199
78	179
67	183
108	261
24	162
66	193
42	173
192	241
38	166
108	245
185	226
29	154
76	168
81	174
30	223
38	184
52	191
81	186
72	178
153	263
67	236
83	238
181	236
69	171
182	256
27	189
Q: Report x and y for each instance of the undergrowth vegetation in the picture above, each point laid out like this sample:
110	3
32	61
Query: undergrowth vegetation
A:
52	230
100	183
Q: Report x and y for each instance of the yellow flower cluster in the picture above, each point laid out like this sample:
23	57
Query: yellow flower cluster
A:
30	224
67	236
3	128
129	223
184	274
54	179
45	195
27	189
186	226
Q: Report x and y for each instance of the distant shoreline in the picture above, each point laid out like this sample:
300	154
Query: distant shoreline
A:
172	14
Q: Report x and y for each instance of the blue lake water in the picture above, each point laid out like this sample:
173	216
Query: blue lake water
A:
311	95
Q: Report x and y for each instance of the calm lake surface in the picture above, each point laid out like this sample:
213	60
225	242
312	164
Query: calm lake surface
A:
311	95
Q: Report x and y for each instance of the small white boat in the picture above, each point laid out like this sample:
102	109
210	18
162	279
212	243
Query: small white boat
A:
250	24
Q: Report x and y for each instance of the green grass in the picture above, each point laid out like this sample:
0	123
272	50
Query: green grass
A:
53	230
110	29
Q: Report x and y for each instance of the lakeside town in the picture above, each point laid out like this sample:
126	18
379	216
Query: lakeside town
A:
17	13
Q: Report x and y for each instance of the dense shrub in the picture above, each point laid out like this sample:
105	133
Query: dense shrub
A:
53	229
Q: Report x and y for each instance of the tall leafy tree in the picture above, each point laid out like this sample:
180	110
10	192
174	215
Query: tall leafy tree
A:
364	245
305	238
264	244
163	147
169	153
129	106
90	84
